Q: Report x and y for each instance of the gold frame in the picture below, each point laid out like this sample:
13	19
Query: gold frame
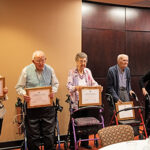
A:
125	103
28	90
90	88
3	82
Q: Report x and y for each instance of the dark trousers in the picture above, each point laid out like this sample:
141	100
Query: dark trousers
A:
124	95
40	122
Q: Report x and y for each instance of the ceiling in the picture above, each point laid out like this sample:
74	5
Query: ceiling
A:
137	3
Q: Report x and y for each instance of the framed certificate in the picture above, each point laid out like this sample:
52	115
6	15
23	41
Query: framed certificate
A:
2	85
125	115
39	97
89	96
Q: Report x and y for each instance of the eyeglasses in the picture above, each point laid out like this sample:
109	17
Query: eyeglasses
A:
81	61
40	61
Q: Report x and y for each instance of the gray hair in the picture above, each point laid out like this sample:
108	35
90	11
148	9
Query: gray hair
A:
38	53
81	55
120	56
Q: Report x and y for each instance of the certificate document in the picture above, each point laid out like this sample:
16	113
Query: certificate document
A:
39	97
89	96
124	115
2	85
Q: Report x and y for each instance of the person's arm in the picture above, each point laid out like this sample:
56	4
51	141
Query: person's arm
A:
131	92
90	77
5	91
55	83
20	87
144	91
110	86
129	78
70	84
142	82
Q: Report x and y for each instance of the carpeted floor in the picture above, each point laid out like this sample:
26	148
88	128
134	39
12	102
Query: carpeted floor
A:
80	148
91	143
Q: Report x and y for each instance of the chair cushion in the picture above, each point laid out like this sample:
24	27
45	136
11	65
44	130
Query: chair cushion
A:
86	121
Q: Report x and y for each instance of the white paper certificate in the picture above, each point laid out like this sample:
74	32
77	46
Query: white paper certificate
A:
90	96
39	97
125	114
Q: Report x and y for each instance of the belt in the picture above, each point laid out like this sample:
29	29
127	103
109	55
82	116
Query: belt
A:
122	89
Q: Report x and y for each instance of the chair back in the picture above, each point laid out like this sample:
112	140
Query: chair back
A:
115	134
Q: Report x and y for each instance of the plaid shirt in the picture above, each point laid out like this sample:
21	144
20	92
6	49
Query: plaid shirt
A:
73	81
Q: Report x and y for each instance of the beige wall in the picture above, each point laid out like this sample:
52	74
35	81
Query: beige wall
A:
53	26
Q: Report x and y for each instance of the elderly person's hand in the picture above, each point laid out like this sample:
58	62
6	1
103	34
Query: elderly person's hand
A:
5	90
101	88
119	101
26	98
131	92
144	91
51	95
77	88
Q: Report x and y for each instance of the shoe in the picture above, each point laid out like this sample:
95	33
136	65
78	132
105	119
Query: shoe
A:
86	146
71	147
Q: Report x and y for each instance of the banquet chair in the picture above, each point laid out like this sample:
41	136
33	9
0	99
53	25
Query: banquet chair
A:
115	134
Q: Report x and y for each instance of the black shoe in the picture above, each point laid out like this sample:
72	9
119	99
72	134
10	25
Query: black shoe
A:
86	146
71	147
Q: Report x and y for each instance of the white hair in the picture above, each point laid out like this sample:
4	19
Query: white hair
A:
120	56
81	55
38	53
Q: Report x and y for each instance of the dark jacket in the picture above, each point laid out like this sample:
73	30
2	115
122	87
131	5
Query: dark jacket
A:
145	79
113	82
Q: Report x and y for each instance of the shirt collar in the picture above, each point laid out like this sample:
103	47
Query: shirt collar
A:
119	69
36	69
76	71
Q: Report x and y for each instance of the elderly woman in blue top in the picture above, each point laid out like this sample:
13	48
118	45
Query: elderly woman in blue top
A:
38	120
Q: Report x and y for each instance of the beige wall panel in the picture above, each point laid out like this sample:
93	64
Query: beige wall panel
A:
53	26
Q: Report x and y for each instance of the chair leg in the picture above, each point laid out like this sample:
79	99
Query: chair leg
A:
96	141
